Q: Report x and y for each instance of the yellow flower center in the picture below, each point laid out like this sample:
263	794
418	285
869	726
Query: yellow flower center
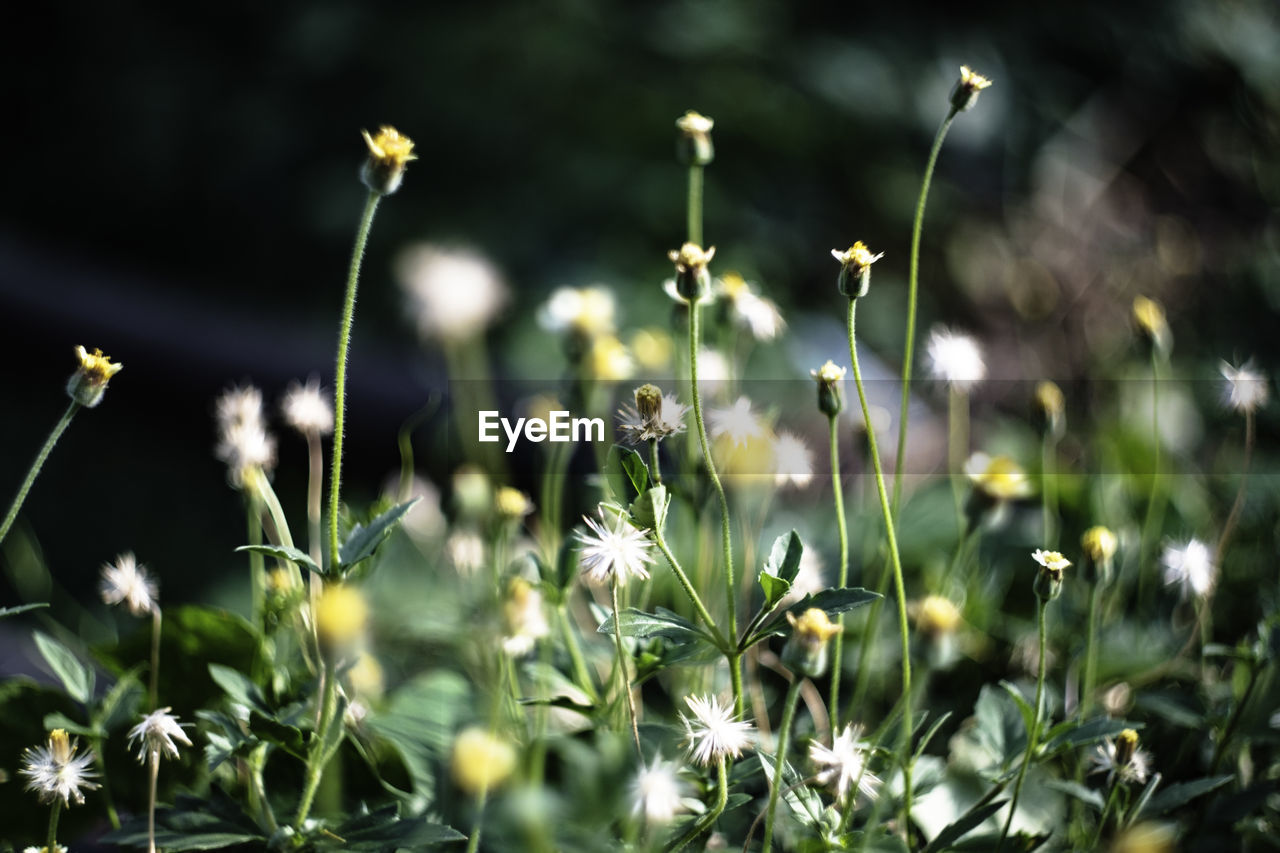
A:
390	147
96	367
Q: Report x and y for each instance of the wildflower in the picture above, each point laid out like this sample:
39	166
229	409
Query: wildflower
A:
156	735
452	294
747	308
243	441
693	145
55	771
306	409
653	417
693	282
844	763
620	550
466	551
58	847
652	348
830	397
1121	758
967	88
587	312
738	423
1190	567
87	385
1099	545
855	269
609	360
524	620
1246	388
806	648
511	504
126	581
955	359
389	153
1048	584
1149	317
655	792
1052	405
341	615
936	615
998	478
481	760
792	461
713	733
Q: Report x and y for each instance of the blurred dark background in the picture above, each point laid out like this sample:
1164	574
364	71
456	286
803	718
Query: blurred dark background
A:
181	191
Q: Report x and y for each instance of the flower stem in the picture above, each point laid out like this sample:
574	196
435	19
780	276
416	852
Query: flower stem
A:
51	842
340	374
1155	498
1106	812
726	541
957	449
473	843
784	736
320	750
1090	652
913	287
154	681
575	653
904	749
694	211
151	802
1049	485
654	467
837	489
1229	526
661	542
623	677
1230	729
709	819
43	455
1035	725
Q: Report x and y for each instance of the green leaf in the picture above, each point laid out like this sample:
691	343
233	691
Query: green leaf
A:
833	601
626	472
1182	793
1024	707
21	608
239	687
928	736
662	623
284	552
649	511
228	741
784	557
1145	797
384	830
1172	707
59	720
76	678
999	724
775	588
966	823
192	824
1085	795
120	705
1074	734
419	722
363	540
802	800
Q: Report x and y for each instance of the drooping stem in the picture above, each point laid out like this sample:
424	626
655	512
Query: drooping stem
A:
709	819
904	748
784	736
1034	734
726	541
340	373
19	499
624	677
842	578
913	286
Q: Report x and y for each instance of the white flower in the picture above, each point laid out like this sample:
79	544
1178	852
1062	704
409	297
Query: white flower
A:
713	733
738	423
126	581
1246	388
239	405
955	359
587	311
655	792
1051	560
243	442
620	549
637	429
792	461
156	735
845	763
56	772
453	294
747	308
1121	758
466	551
1190	567
306	409
57	847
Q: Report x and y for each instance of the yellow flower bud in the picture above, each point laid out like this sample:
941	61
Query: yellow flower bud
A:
341	615
481	760
389	153
967	88
1099	543
512	503
87	385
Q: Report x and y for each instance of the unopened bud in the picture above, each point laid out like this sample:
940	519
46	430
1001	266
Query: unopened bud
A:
693	145
87	385
693	281
855	269
830	397
389	153
806	649
967	88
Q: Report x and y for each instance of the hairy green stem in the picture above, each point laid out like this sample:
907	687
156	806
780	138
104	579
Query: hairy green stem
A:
1034	734
685	584
320	750
709	819
842	578
51	837
726	540
654	468
913	287
784	736
904	749
59	428
340	373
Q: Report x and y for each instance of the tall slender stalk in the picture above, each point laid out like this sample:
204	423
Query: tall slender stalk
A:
1155	498
1229	526
1034	734
842	578
689	590
154	771
957	449
784	736
320	749
904	748
913	287
51	837
340	373
694	206
154	680
575	653
19	499
624	678
1090	651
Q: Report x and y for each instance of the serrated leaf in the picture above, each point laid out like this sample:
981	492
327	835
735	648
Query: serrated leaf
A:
833	601
284	552
192	823
76	678
1182	793
384	829
363	540
21	608
626	472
